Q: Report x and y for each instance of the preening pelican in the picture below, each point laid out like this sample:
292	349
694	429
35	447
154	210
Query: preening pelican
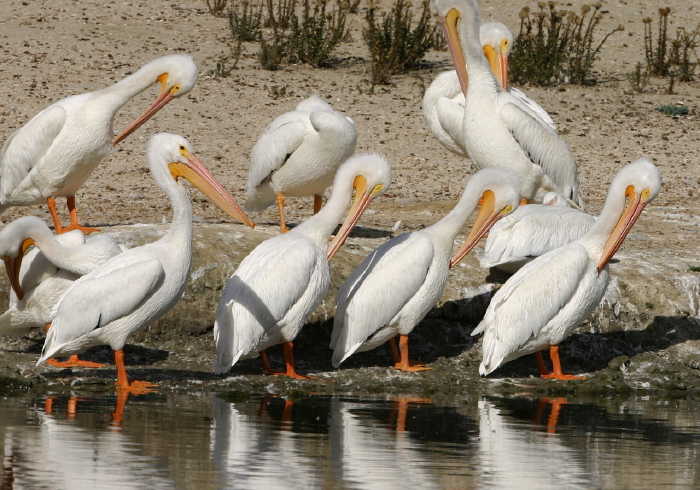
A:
139	285
532	230
277	286
41	277
298	155
393	289
542	303
56	151
496	130
443	102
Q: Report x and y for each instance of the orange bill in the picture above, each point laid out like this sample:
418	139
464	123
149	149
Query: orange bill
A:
634	208
455	47
163	98
484	221
202	179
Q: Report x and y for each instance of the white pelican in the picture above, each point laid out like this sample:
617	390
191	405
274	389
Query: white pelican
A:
542	303
277	286
40	278
532	230
443	102
57	150
139	285
298	154
393	289
496	130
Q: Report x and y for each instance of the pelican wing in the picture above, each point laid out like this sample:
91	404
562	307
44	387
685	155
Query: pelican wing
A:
27	146
281	138
532	235
535	109
533	296
101	297
544	148
267	284
378	290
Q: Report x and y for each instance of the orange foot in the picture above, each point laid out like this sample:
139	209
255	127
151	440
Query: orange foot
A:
411	367
85	229
136	387
561	376
294	375
74	361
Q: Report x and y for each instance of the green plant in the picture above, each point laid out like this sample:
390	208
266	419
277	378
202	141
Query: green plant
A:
694	268
318	33
669	57
393	43
217	7
272	53
553	44
638	79
245	21
280	17
649	305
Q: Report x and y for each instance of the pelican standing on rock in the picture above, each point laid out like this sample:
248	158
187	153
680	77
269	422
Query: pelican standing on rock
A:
398	283
533	230
275	289
443	102
40	276
298	155
497	131
542	303
140	285
57	150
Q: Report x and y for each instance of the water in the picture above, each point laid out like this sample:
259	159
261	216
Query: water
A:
178	441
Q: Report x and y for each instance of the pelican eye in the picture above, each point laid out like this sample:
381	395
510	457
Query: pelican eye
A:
506	210
176	88
645	194
377	189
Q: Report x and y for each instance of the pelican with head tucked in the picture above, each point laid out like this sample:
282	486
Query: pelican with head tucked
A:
542	303
57	150
443	102
393	289
533	230
275	289
298	154
496	130
41	275
139	285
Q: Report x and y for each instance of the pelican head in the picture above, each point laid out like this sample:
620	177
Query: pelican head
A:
448	14
370	175
497	41
499	192
636	185
176	153
177	75
15	239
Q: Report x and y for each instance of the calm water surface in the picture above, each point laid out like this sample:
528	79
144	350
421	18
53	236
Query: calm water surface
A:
178	441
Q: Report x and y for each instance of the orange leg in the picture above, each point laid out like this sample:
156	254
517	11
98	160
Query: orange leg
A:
556	366
540	364
289	359
395	351
73	361
73	217
48	404
267	369
123	383
405	364
318	202
280	208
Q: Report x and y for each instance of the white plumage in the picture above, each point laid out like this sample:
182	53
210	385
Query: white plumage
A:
496	130
393	289
541	304
57	150
298	155
140	285
279	284
443	102
532	230
40	277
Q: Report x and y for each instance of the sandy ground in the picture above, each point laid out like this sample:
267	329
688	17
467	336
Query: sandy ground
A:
51	49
